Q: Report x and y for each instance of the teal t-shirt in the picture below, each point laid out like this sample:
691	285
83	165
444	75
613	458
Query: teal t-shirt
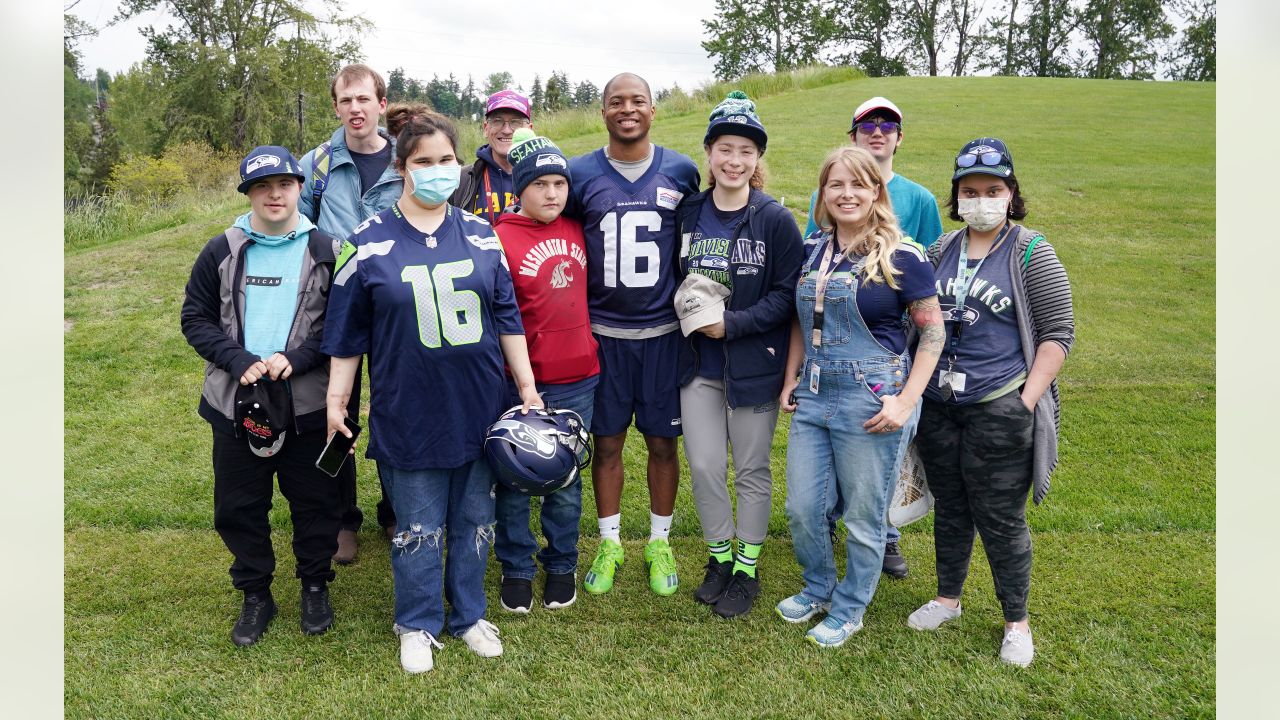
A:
272	274
916	208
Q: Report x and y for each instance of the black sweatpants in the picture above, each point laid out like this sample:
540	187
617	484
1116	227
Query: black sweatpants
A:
242	490
352	516
977	459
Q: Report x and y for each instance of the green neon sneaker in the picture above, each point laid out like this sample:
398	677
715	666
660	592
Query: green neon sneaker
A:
662	567
599	578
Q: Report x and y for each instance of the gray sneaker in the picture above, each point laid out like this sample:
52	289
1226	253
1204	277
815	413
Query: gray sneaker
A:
1017	648
931	615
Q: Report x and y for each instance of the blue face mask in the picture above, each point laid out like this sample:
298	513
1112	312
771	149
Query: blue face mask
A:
433	185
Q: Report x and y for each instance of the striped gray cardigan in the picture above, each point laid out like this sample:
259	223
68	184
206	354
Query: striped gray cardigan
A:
1042	297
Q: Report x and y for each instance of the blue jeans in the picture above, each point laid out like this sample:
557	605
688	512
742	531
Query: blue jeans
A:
436	509
561	511
830	456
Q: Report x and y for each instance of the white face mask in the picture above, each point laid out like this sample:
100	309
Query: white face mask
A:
983	214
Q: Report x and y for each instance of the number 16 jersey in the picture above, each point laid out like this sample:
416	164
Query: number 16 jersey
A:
630	234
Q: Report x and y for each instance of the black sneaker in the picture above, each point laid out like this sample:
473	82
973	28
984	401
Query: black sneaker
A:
714	582
739	595
895	566
560	591
255	615
317	613
516	595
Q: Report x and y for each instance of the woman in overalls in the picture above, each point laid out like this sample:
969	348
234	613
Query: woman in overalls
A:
853	387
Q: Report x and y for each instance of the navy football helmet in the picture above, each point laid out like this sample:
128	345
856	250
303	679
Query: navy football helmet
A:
539	452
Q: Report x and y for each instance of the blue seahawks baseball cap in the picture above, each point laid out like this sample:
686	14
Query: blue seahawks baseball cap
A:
265	161
986	155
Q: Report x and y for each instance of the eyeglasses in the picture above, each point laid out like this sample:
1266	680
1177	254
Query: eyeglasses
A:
869	128
989	159
508	124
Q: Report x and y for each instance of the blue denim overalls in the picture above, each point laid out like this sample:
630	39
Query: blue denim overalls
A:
828	445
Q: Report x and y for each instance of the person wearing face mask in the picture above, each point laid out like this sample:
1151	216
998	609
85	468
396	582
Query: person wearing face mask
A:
740	255
988	427
423	289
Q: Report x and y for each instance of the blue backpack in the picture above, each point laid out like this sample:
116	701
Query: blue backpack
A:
319	177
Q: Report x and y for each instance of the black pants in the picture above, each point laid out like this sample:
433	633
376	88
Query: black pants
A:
977	459
242	490
352	516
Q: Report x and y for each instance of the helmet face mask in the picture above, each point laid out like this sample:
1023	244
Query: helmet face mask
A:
539	452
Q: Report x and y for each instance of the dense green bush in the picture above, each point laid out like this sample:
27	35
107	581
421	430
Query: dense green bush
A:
148	178
203	167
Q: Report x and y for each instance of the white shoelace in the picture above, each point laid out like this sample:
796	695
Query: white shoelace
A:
488	629
427	638
1014	637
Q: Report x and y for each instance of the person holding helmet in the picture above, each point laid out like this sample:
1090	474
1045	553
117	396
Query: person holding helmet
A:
547	255
988	428
423	288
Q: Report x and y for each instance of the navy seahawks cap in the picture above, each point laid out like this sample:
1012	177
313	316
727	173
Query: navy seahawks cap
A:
265	161
264	412
986	155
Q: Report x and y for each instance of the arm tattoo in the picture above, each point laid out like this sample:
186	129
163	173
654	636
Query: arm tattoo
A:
928	317
932	339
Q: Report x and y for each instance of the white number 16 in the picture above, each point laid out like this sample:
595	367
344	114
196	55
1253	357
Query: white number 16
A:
622	237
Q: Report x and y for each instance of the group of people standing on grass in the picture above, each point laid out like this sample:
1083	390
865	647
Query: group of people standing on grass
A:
609	284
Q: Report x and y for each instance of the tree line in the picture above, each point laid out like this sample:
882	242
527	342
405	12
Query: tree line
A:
1102	39
226	74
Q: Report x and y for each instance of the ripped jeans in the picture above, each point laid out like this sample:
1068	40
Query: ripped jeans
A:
438	509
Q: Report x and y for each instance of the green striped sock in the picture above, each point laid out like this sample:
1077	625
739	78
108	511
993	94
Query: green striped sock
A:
721	551
745	559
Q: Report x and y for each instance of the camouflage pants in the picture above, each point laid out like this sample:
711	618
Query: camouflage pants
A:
978	462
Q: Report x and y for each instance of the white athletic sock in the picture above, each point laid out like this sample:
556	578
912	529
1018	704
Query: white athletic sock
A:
611	527
659	526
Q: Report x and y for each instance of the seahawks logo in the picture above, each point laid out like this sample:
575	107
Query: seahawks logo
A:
260	162
521	436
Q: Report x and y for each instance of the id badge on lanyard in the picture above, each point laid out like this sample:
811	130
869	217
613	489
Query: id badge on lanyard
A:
950	381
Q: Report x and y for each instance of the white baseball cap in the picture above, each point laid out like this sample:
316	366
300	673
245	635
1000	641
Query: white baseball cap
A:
699	302
875	103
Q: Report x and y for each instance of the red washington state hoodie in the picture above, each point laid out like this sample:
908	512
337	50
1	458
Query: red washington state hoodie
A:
549	268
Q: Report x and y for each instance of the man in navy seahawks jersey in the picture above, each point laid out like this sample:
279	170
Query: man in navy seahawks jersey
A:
626	196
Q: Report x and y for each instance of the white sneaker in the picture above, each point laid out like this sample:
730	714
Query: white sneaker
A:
1017	648
482	638
415	651
931	615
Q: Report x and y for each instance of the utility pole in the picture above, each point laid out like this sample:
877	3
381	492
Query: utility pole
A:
297	78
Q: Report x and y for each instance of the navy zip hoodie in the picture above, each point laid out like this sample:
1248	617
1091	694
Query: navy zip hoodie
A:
760	307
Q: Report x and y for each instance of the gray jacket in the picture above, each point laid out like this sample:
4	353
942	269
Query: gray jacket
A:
212	321
1042	297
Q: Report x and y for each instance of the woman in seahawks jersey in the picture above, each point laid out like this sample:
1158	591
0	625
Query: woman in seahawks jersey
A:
423	289
853	387
746	244
988	427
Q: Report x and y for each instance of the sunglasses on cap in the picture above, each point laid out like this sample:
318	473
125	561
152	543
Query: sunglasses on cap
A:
989	159
869	128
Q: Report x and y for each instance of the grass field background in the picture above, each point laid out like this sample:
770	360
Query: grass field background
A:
1123	589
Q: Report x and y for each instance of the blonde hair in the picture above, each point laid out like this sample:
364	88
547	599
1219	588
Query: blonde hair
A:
880	235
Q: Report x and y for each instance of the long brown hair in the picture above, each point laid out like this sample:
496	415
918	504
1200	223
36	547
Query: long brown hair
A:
881	234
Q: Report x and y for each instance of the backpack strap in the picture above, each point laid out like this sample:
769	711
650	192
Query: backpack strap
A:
319	176
1026	258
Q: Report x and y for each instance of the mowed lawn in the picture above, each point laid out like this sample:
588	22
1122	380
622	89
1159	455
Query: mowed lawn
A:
1123	590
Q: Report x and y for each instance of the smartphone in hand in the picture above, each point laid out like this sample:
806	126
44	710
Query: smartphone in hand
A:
335	453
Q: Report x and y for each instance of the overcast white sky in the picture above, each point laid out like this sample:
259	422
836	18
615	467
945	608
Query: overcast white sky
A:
658	39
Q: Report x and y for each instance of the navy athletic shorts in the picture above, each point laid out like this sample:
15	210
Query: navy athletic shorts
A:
640	377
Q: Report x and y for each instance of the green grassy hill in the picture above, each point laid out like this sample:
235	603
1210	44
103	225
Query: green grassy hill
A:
1123	591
